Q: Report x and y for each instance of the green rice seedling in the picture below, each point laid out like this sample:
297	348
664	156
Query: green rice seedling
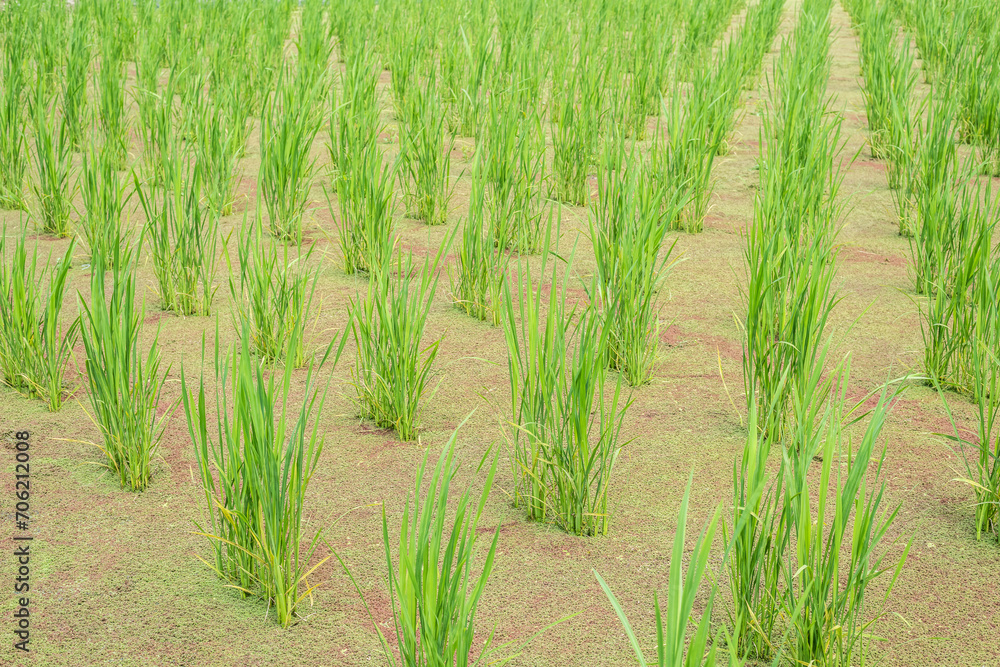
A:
435	594
19	314
481	267
648	61
829	591
433	588
13	156
111	80
567	421
889	80
760	28
948	316
217	155
514	170
52	188
405	60
56	343
255	471
288	125
104	200
682	159
521	71
183	238
124	387
365	194
355	124
49	39
74	99
902	164
673	648
877	32
424	157
268	50
756	544
156	127
313	46
393	368
980	98
576	117
983	473
272	296
928	24
34	349
789	299
934	190
627	228
238	102
704	23
466	59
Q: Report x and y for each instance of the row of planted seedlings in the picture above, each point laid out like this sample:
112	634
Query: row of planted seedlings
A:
953	214
962	323
699	116
955	261
796	594
889	80
958	43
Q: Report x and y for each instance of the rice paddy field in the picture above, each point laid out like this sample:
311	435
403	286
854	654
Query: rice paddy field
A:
355	332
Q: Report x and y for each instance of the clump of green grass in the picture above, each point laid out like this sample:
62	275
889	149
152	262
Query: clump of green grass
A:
576	120
13	157
514	170
566	428
74	100
183	237
477	286
627	228
272	296
104	200
53	153
111	82
34	349
124	387
828	591
426	168
289	123
255	471
394	364
674	647
435	592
